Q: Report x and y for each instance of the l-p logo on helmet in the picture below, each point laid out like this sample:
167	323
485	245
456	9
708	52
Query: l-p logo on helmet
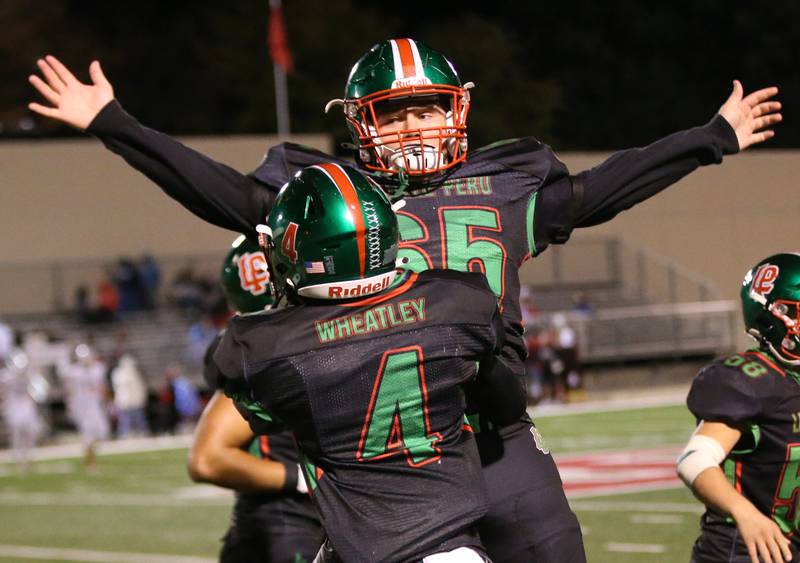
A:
253	275
764	279
288	242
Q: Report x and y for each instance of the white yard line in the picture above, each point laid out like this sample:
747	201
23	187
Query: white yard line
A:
633	506
64	554
133	445
671	399
657	519
618	547
196	495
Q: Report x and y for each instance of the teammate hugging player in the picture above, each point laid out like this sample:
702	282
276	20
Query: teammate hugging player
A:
371	384
486	210
273	519
743	461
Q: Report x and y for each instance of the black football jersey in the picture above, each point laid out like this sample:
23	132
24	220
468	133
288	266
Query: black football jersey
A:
372	391
751	392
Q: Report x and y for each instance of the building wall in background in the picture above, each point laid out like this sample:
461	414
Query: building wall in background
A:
75	199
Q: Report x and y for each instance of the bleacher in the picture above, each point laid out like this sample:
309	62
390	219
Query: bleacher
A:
643	307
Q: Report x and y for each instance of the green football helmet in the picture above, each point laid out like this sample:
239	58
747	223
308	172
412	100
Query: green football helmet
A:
331	234
244	277
401	73
771	305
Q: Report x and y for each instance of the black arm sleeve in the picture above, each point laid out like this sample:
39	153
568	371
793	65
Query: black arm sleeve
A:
213	191
628	177
211	374
502	394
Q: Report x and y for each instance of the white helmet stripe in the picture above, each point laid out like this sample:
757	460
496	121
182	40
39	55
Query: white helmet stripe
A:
398	65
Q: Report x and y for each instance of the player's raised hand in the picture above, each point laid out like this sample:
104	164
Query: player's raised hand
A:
73	102
764	540
751	115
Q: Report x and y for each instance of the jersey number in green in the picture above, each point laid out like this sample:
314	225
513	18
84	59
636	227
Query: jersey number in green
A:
397	419
462	249
784	509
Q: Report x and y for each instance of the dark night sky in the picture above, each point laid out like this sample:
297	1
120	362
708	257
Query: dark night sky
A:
577	74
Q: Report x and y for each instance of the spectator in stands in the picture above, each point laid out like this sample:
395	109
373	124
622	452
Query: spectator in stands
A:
84	383
129	285
565	343
534	367
186	397
198	337
130	397
19	389
186	291
580	303
167	417
107	299
150	274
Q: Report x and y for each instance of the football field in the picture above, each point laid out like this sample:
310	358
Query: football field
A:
141	506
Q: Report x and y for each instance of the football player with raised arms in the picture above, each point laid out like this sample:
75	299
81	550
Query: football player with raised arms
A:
743	460
273	520
367	365
485	210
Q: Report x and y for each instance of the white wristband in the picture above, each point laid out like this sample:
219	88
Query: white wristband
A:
302	486
700	453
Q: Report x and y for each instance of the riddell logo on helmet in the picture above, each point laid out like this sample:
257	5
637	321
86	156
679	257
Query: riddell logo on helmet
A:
341	292
411	81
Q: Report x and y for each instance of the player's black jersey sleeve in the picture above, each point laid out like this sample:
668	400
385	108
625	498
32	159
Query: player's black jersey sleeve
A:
211	374
720	393
213	191
629	177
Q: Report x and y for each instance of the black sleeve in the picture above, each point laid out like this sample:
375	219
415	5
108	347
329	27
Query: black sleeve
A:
626	178
214	192
211	374
501	392
723	394
228	357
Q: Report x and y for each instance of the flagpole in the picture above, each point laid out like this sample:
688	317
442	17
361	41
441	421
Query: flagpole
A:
281	100
281	87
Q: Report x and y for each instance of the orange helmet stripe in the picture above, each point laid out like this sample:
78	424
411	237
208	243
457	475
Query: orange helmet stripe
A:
345	186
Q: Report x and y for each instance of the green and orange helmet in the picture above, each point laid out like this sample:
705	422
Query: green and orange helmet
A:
771	305
331	234
244	277
398	73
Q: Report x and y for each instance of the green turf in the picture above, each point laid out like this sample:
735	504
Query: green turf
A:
144	503
668	518
637	428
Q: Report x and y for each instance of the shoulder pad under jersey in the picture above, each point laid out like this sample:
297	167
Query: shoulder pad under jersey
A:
282	161
525	154
728	390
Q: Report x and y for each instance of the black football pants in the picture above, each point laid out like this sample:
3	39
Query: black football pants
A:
266	546
529	519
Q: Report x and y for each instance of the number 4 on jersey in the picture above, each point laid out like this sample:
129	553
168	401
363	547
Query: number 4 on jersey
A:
397	417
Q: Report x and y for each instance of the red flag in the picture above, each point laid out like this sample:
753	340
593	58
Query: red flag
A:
278	45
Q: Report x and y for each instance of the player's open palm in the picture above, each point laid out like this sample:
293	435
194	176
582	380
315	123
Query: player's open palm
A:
751	115
73	102
763	538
